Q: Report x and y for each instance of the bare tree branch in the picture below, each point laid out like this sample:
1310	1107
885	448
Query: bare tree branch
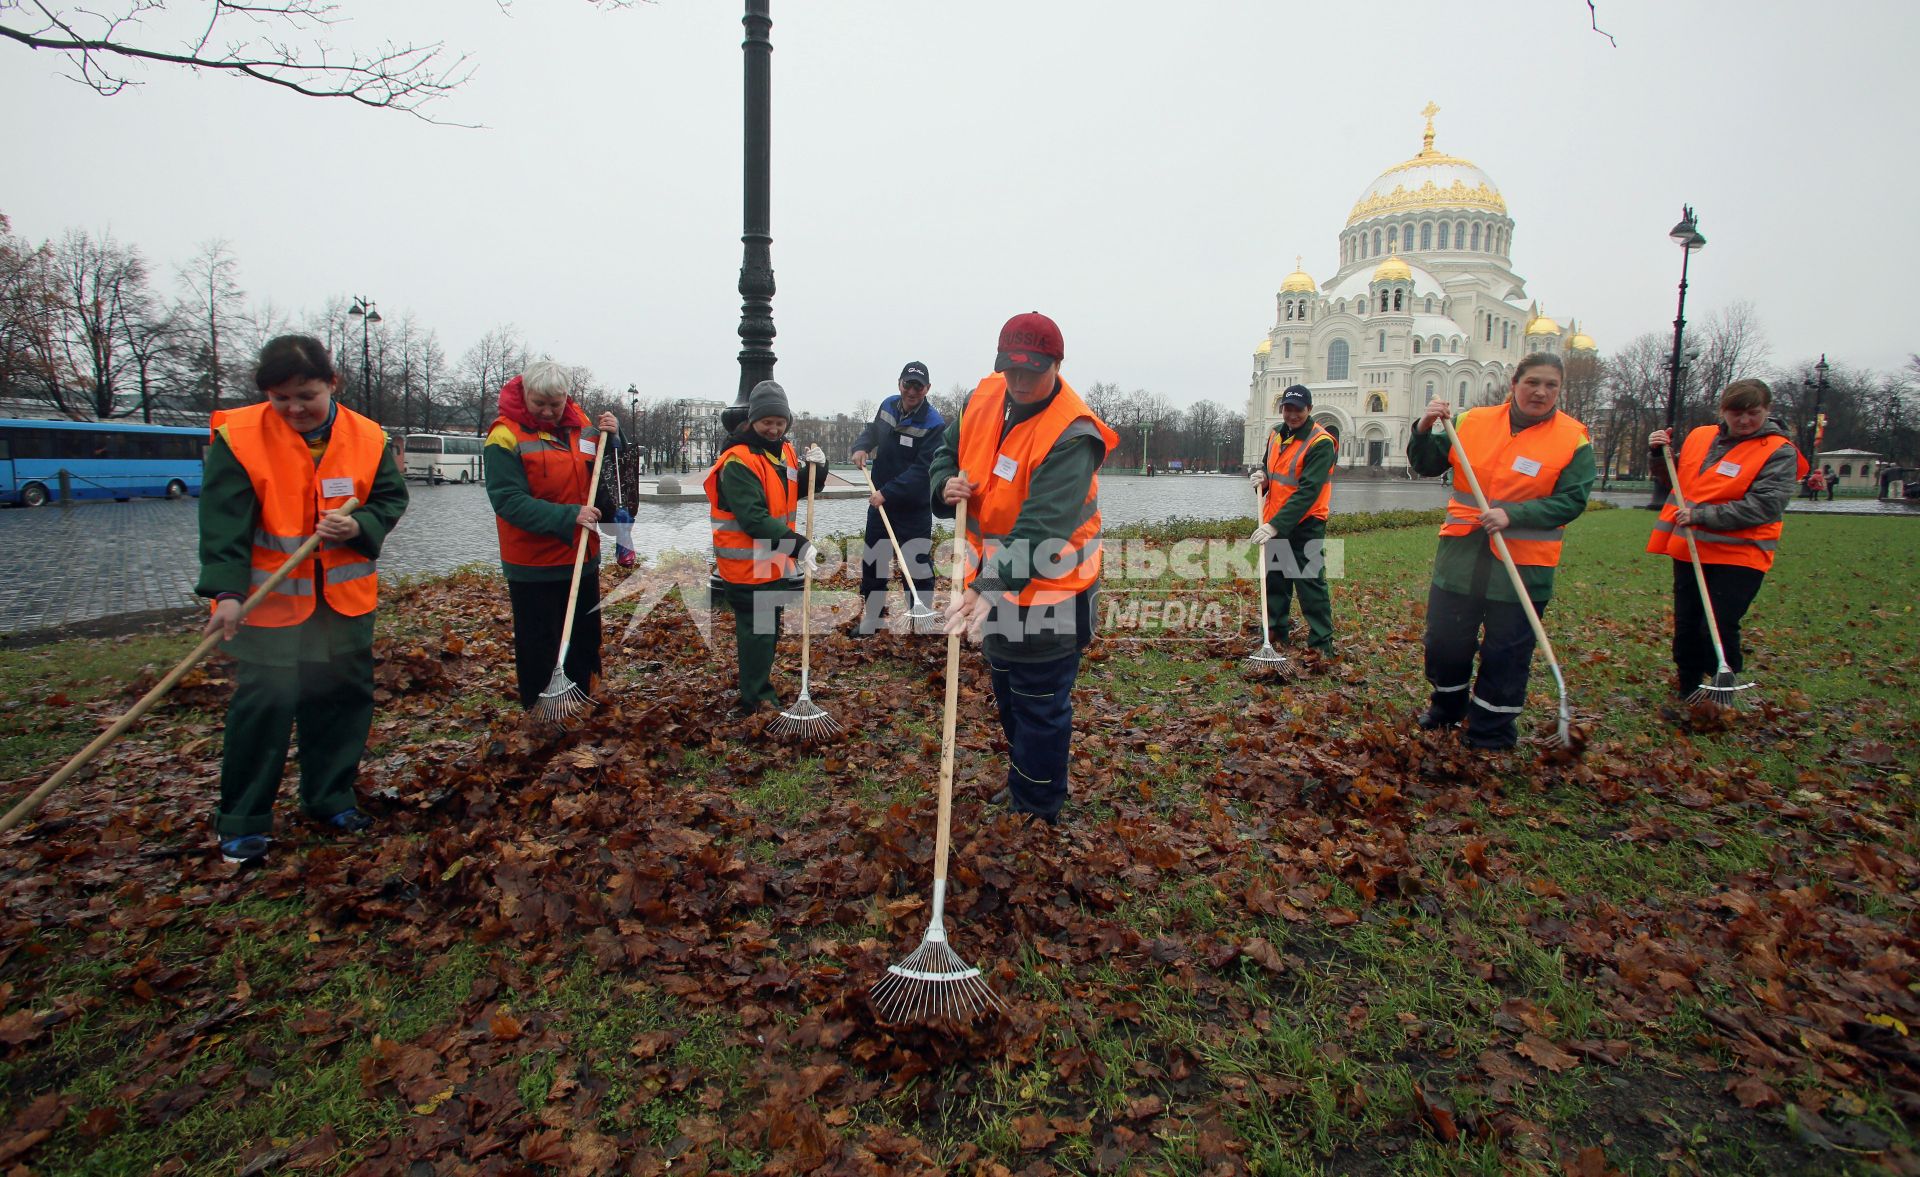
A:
1593	18
100	45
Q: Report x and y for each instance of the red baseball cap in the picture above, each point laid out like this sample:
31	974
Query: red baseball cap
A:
1030	341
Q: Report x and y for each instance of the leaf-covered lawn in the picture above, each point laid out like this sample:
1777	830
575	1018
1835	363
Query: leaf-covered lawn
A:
1280	931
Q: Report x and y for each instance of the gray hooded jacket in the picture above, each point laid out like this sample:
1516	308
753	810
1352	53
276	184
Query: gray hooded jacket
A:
1765	501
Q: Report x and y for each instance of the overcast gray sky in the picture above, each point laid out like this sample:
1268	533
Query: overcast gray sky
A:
1142	172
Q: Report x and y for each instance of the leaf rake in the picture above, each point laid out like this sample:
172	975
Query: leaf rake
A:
1726	686
806	719
933	981
563	699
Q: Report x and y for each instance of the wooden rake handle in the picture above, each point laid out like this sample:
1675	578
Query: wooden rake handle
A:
899	557
1500	549
32	801
943	831
580	551
1693	552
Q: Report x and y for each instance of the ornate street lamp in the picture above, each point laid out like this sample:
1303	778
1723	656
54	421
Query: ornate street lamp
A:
363	310
756	265
1687	236
1818	427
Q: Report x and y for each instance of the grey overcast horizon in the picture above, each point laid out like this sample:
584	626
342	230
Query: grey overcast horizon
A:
1143	173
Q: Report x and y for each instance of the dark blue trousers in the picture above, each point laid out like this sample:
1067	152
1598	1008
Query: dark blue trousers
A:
1491	703
914	531
1036	712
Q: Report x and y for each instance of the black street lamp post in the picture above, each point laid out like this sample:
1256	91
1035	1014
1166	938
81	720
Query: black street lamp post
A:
756	265
633	431
1687	236
1819	399
363	310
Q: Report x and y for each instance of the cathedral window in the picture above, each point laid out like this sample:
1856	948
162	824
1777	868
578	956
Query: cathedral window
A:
1288	353
1443	234
1429	390
1453	345
1426	235
1393	239
1463	394
1429	304
1476	235
1383	342
1337	360
1416	346
1289	310
1489	328
1376	403
1376	241
1396	300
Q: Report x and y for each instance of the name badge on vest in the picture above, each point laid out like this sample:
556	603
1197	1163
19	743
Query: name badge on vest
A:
1005	467
335	488
1526	466
1729	469
587	447
906	441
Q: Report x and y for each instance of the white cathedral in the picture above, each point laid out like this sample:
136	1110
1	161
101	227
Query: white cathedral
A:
1425	304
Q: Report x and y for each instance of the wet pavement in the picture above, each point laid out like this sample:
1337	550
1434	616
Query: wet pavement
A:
63	565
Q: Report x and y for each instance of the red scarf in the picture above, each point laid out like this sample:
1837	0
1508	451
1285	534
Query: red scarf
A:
513	406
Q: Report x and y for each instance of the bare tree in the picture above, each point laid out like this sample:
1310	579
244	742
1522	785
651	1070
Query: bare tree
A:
28	366
99	281
211	305
1636	394
493	359
1732	344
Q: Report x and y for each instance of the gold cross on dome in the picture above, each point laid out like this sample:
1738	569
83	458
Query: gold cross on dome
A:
1426	143
1296	261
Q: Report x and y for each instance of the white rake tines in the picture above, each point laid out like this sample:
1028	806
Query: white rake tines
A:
805	719
1723	690
1267	656
562	699
933	982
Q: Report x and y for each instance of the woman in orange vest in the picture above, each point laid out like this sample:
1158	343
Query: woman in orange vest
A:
1536	468
1737	477
539	456
275	474
1024	455
753	493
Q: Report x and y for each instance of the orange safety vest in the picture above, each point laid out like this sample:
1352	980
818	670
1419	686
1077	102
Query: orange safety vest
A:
293	492
736	557
558	471
1283	473
1722	482
1513	468
1003	469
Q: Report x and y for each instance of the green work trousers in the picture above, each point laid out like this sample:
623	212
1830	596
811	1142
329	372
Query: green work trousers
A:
757	612
331	705
1296	567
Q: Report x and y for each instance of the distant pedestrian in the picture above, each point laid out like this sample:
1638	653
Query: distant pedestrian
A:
1813	484
276	474
899	442
1737	478
1827	473
539	456
1536	463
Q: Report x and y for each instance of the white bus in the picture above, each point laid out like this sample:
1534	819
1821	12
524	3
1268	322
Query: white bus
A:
444	457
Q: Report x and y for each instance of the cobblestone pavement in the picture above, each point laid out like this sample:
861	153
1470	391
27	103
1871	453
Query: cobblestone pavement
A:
62	565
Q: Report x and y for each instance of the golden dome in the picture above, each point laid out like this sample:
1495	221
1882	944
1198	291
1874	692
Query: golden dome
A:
1265	348
1541	325
1298	282
1581	341
1430	180
1393	270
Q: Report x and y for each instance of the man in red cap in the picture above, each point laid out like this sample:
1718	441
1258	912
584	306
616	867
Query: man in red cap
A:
1024	455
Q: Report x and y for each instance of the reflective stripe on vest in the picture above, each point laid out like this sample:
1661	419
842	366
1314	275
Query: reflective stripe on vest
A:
1060	566
1284	463
557	471
739	559
1703	482
290	489
1513	469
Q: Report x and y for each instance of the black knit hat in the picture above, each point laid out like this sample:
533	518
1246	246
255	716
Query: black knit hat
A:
768	399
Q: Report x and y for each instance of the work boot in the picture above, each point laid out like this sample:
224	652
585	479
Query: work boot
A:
246	848
350	820
1434	718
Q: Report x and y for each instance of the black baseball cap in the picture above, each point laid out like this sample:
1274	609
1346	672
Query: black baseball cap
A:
1297	394
915	373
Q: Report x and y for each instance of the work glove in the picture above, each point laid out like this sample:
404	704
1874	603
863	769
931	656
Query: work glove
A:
815	454
810	558
1261	534
1257	476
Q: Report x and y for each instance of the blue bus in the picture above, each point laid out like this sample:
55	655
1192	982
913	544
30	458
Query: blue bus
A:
102	460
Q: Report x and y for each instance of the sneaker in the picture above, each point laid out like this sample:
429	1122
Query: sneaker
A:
245	848
350	820
1433	718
